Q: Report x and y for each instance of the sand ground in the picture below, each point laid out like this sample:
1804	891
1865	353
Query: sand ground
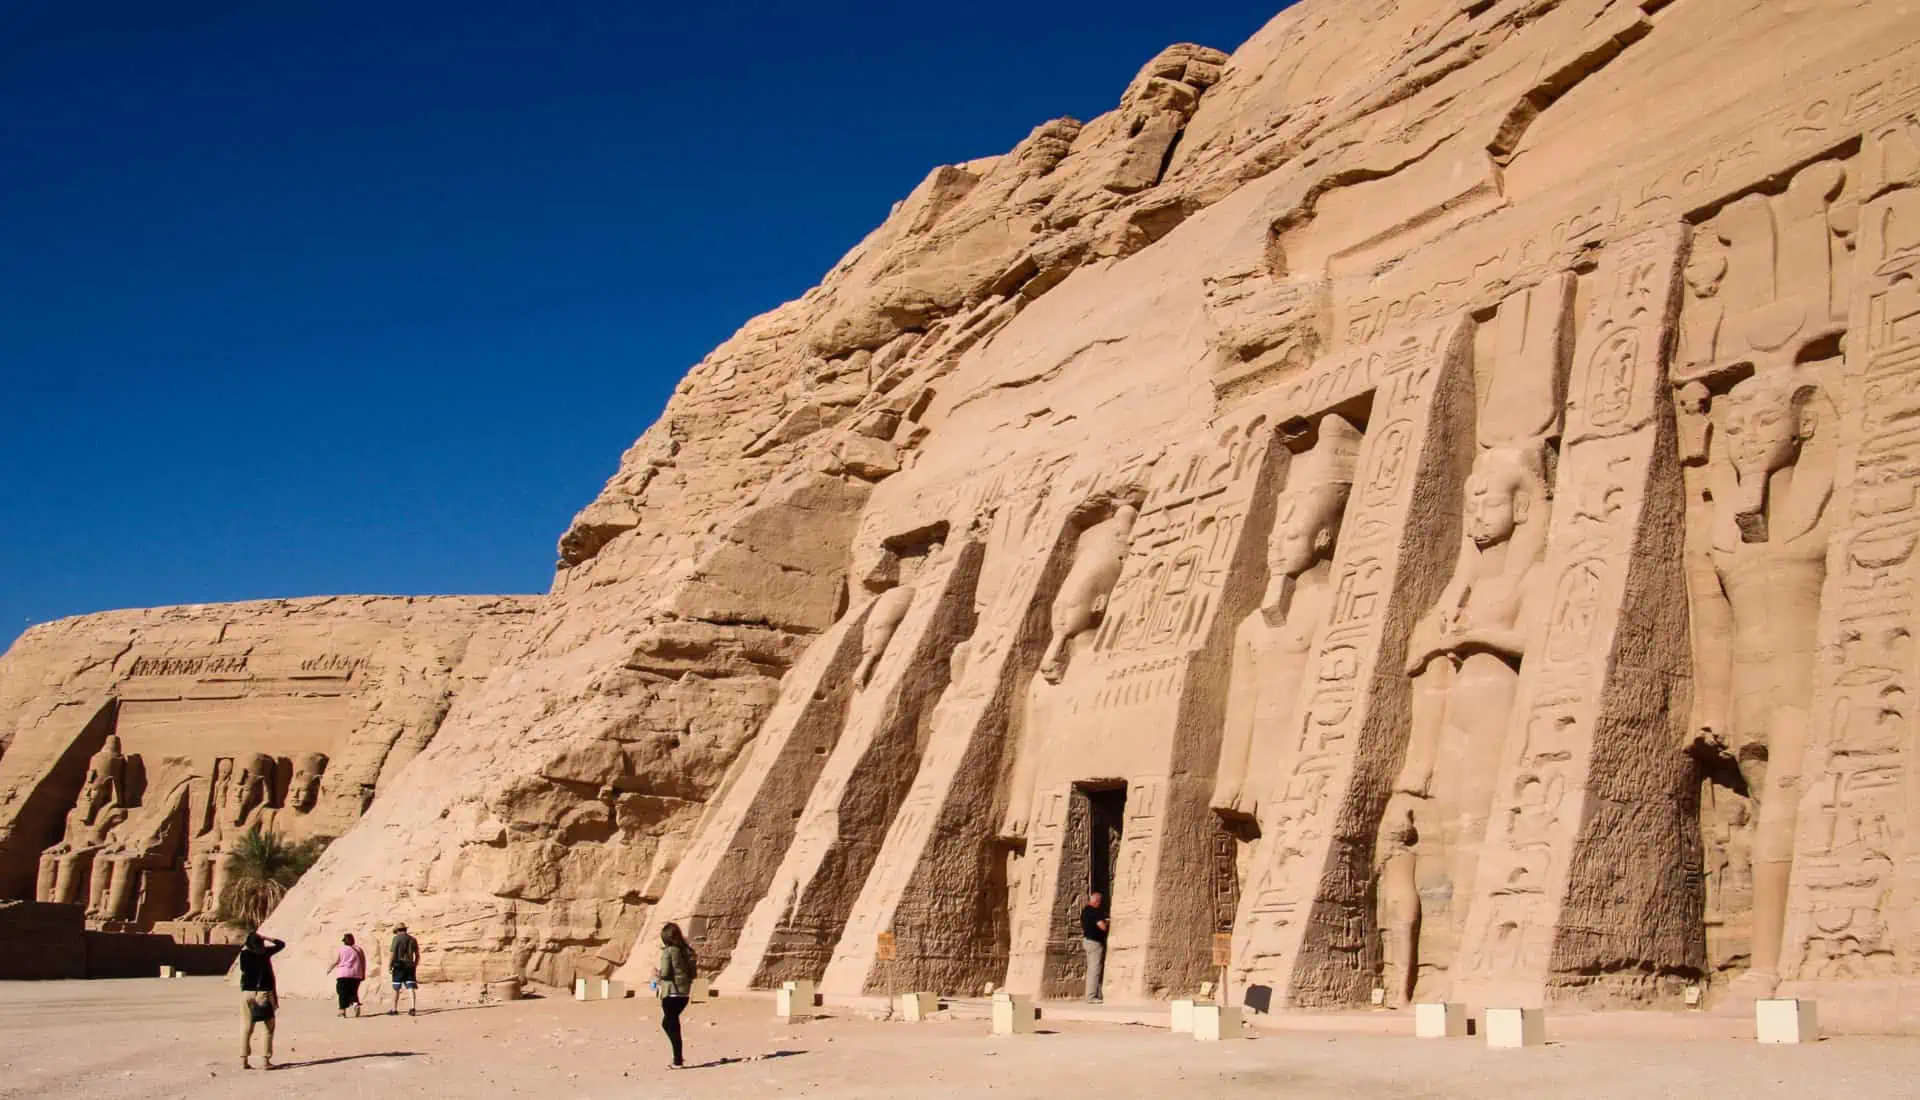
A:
148	1038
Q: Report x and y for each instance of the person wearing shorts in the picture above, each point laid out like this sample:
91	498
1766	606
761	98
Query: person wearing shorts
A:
403	963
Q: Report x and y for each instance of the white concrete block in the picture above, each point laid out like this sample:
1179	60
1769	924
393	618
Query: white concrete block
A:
1516	1027
1785	1021
701	991
1183	1016
586	989
1212	1023
1013	1014
918	1006
794	1001
611	990
167	972
1440	1021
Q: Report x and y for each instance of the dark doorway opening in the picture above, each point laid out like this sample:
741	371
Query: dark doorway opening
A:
1106	819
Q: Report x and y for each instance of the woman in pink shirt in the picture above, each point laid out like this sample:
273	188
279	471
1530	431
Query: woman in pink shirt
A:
349	970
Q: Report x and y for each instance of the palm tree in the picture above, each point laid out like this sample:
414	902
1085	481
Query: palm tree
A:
260	869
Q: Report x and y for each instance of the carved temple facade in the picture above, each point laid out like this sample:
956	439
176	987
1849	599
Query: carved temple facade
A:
1531	623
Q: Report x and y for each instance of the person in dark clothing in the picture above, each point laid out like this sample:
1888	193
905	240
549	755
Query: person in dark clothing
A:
674	979
1093	937
261	994
403	965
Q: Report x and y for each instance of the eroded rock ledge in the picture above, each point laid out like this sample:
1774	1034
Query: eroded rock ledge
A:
1426	497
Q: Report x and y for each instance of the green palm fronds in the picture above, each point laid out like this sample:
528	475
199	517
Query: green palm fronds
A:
261	868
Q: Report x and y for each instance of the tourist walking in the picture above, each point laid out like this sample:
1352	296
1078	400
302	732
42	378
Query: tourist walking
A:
349	970
674	979
1093	937
261	996
403	966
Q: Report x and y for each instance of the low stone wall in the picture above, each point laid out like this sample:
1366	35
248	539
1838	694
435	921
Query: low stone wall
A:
46	941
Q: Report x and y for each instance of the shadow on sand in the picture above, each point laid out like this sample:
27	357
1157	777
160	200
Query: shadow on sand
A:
717	1062
279	1066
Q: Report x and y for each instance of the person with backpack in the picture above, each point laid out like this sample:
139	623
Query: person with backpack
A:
261	996
674	980
403	965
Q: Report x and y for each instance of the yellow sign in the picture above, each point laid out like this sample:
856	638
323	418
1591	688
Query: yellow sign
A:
883	949
1222	948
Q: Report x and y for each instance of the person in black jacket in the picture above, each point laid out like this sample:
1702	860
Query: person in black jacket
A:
262	996
1093	937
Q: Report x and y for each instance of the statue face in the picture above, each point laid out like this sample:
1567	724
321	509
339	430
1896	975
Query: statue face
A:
1760	428
1303	530
305	789
248	787
1492	511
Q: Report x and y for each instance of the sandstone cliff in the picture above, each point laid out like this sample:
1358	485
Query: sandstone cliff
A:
1425	499
135	744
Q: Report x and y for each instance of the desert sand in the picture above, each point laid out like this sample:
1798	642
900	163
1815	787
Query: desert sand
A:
145	1038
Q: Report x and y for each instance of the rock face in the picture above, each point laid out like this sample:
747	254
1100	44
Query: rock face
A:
139	745
1424	504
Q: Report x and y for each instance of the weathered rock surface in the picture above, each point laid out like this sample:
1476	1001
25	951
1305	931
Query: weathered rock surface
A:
1426	501
139	744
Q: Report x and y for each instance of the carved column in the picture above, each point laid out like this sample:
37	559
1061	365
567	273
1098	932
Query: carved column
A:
745	833
938	882
796	923
1303	932
1591	803
1140	709
1856	872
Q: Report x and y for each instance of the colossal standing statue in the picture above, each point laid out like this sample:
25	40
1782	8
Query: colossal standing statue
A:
1772	476
1271	645
1465	659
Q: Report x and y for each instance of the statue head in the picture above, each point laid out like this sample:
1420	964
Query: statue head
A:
105	774
1306	521
304	791
249	785
1501	493
1763	422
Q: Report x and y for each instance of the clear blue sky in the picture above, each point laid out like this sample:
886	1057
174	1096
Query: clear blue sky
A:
317	297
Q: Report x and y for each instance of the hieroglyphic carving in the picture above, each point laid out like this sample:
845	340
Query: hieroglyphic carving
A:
1466	651
1308	830
1573	693
188	666
866	781
1765	311
1272	644
1853	878
1144	671
1698	175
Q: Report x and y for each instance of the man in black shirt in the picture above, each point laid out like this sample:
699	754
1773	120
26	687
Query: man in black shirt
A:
1093	936
262	995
